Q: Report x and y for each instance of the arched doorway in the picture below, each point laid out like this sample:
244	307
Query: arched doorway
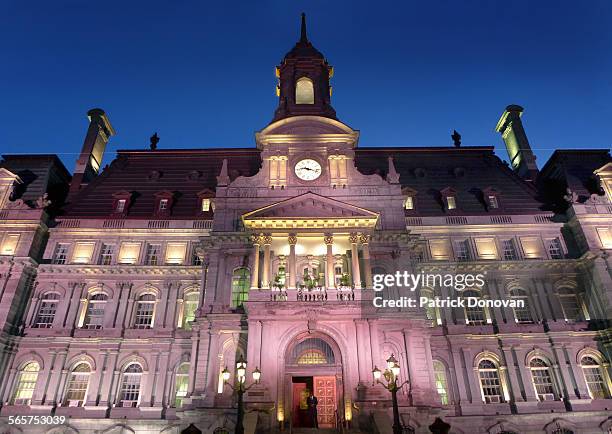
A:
313	364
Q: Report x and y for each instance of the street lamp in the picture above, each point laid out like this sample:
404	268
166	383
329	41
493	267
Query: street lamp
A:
391	375
240	388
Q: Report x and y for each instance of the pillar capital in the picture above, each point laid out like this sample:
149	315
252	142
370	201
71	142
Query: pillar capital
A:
364	238
354	238
292	239
266	239
328	239
256	239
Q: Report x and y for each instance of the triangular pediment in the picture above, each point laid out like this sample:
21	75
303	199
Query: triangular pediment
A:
310	210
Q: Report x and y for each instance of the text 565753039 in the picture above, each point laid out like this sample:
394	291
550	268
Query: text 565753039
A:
36	420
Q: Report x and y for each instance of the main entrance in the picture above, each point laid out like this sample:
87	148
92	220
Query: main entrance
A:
312	369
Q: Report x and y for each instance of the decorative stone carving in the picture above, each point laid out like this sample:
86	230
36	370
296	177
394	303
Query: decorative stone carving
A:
364	238
292	239
328	240
571	196
43	201
354	238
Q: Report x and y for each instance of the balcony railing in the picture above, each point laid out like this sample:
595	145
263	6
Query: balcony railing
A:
322	295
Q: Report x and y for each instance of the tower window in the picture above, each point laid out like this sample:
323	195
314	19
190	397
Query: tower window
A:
493	202
205	205
409	203
450	202
304	91
120	205
163	204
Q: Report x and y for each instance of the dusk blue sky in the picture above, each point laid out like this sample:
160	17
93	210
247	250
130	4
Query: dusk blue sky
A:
201	73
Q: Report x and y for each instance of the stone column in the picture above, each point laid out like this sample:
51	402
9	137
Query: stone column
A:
515	389
292	240
354	239
367	272
265	278
329	260
256	240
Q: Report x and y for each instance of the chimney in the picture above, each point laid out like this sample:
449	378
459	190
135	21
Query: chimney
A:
88	165
522	159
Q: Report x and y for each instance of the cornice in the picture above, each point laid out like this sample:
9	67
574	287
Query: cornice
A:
141	270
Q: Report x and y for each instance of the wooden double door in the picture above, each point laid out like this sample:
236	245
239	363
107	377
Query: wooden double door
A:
324	388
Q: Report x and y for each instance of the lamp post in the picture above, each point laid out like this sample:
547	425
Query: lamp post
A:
391	375
240	388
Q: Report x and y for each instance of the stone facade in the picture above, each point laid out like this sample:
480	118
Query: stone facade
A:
122	310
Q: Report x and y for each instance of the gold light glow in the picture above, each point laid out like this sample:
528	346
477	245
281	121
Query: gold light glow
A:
532	247
129	253
605	236
486	249
83	253
175	253
440	249
9	246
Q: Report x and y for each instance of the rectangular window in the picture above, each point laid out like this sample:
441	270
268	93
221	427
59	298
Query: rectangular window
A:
509	250
9	246
440	249
532	247
205	205
175	253
450	202
82	253
554	249
129	253
485	247
493	202
153	251
163	204
409	203
462	250
106	254
195	258
120	205
61	253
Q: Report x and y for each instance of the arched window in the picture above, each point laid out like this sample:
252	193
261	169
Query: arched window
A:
26	382
542	380
594	377
440	380
145	308
490	382
304	91
522	312
190	305
240	286
129	394
312	351
569	304
76	389
46	310
181	384
94	316
474	315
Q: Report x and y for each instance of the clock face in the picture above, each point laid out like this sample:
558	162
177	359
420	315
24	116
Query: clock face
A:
307	169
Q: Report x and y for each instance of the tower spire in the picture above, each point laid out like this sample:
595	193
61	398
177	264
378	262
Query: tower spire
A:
303	37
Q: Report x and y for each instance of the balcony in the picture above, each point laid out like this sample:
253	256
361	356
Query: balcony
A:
319	296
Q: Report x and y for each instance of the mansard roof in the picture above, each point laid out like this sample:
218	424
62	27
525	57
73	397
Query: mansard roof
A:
469	171
144	173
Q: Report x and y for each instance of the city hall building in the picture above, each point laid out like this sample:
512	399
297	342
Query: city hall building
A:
129	293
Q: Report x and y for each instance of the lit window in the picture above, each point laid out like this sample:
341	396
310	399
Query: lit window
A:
304	91
493	202
26	383
509	250
61	254
153	251
521	314
106	254
9	246
450	202
175	253
569	304
542	380
409	202
145	307
594	377
205	205
195	258
129	253
554	248
463	250
490	383
474	315
312	357
83	253
94	316
240	286
440	381
181	384
130	386
120	205
190	305
163	204
46	310
76	390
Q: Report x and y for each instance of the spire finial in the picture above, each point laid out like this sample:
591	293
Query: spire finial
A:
303	37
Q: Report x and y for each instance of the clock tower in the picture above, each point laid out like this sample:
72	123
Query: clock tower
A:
303	81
